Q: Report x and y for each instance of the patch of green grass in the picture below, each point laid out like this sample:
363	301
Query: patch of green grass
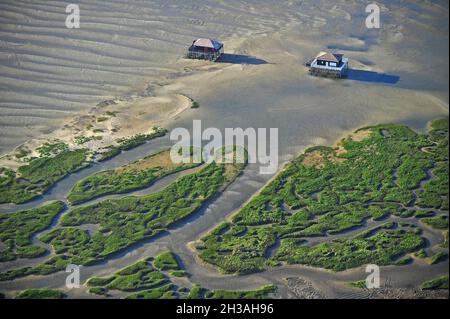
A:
49	149
438	222
141	275
40	294
438	257
424	214
404	261
126	221
421	254
179	273
18	228
239	254
381	247
21	153
34	179
196	292
147	277
99	291
127	178
166	261
260	293
110	152
435	284
80	140
195	105
102	119
360	284
328	191
126	144
155	293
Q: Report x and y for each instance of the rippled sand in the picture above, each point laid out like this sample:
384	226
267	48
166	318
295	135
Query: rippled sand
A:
128	48
49	73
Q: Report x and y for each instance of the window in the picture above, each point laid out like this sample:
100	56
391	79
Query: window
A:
333	64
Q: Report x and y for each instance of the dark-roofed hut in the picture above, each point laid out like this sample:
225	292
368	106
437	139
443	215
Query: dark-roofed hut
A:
205	49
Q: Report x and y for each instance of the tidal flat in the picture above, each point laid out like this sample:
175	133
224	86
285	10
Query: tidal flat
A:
385	201
262	82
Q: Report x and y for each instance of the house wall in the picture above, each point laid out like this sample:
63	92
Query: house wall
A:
327	63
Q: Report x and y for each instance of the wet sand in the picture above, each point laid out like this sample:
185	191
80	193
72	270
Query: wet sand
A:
50	74
262	82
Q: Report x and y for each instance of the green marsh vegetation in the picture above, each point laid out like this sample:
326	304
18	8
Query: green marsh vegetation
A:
421	254
194	103
259	293
18	228
126	144
80	140
179	273
381	246
56	161
438	257
360	284
41	294
378	172
435	284
445	243
150	279
124	179
166	261
141	275
126	221
438	222
36	177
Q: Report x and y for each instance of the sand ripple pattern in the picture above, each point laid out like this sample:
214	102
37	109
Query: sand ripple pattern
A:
48	72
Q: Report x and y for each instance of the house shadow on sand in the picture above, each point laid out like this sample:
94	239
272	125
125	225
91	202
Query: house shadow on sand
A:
372	77
240	59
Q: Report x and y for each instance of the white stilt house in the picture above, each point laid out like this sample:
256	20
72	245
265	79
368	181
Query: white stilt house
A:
329	64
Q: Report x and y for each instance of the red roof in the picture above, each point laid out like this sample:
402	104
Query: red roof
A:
208	43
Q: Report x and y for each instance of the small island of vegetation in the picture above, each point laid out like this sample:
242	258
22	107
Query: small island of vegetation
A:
127	178
41	294
152	279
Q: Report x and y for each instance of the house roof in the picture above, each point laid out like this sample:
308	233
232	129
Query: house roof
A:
208	43
331	57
